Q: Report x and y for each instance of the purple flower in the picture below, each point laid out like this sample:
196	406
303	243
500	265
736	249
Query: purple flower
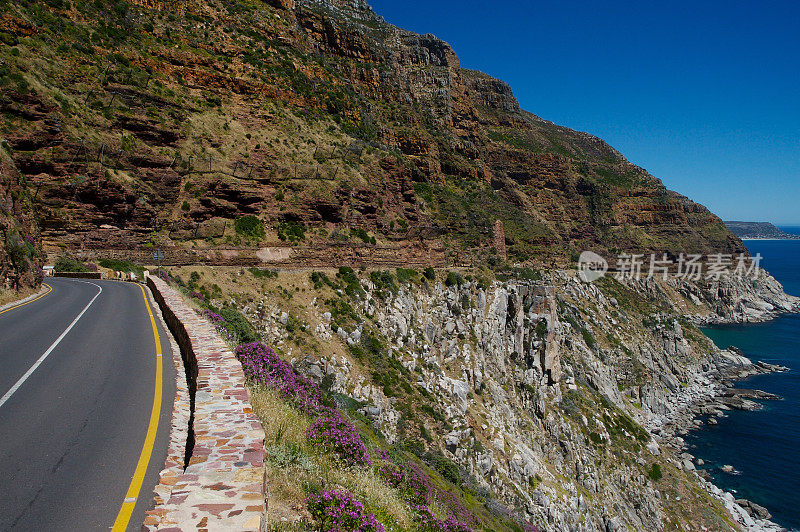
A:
427	522
420	491
219	324
329	428
339	511
334	433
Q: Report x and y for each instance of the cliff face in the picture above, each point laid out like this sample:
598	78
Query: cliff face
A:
174	116
20	252
554	397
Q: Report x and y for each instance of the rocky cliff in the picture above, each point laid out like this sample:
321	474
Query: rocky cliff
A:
562	400
160	122
20	254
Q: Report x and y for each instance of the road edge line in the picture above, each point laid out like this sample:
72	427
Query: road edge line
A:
25	301
132	495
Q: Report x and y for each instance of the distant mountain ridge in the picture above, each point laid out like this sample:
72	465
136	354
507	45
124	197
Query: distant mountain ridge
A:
759	230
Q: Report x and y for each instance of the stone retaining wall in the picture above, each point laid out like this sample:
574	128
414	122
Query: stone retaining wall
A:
213	477
79	275
406	254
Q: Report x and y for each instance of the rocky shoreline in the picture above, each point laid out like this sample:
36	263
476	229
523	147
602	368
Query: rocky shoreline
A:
731	366
734	299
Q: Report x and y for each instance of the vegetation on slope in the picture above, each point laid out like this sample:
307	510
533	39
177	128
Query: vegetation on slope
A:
169	124
324	454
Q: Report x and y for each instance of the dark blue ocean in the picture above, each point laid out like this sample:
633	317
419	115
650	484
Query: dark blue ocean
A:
763	446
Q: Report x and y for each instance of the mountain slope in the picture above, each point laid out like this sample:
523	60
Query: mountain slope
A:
159	122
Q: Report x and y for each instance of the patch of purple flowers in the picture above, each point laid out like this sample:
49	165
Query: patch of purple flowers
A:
219	324
263	366
428	522
459	514
333	432
419	490
329	428
391	473
339	511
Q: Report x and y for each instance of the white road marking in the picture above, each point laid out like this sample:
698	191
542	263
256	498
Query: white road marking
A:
36	364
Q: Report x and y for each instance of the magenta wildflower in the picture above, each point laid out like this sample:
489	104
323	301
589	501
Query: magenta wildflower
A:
334	433
219	324
261	365
339	511
330	429
428	522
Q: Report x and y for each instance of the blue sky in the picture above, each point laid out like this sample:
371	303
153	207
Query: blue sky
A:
704	95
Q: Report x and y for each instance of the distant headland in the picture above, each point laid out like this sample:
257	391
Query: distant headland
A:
759	231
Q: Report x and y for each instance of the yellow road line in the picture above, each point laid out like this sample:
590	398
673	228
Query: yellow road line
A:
124	515
49	289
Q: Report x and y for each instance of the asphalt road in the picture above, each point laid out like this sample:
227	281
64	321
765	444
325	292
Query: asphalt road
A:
72	433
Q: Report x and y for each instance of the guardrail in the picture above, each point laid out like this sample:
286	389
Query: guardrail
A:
213	476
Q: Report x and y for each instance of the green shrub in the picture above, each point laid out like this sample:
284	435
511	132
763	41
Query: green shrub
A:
541	329
250	226
66	263
445	466
362	234
263	273
342	312
406	275
655	473
121	266
384	283
430	273
453	278
292	231
238	325
588	338
318	279
353	286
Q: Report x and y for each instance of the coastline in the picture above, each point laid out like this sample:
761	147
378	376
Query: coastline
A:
721	396
745	239
703	407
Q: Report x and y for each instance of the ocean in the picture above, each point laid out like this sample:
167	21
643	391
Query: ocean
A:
762	446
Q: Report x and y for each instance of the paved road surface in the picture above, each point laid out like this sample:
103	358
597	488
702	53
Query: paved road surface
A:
72	433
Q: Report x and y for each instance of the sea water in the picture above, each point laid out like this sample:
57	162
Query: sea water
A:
762	446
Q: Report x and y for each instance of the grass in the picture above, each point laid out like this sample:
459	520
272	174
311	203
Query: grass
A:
282	423
291	479
654	473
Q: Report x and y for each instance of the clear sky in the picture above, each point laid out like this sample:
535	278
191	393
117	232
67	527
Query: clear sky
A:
704	95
